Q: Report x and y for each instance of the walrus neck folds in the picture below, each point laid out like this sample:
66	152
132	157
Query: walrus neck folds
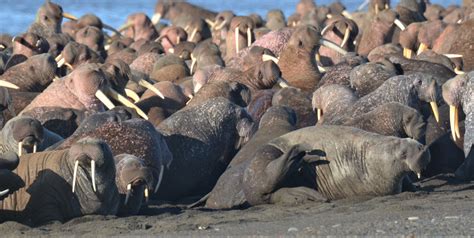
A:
90	103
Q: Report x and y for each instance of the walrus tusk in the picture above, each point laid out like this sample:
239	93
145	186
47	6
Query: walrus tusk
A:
193	64
35	147
146	194
407	53
193	34
328	16
346	14
399	24
93	175
456	124
422	48
160	177
150	86
69	16
236	32
220	26
321	69
325	29
7	84
434	107
61	62
104	99
376	9
318	57
387	6
58	58
69	66
4	192
418	175
74	175
333	46
108	27
155	18
283	83
20	148
171	50
319	114
124	27
453	56
133	95
107	47
269	57
210	23
2	46
249	37
117	96
129	190
347	33
458	71
452	120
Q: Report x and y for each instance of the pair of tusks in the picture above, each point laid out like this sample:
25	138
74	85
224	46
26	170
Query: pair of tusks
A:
129	192
249	38
454	122
421	48
61	62
347	33
20	148
377	8
74	18
74	176
150	86
115	95
7	84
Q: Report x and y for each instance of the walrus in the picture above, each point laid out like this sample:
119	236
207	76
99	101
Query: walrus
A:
26	135
277	121
300	101
458	92
136	137
134	180
60	185
233	91
356	162
203	139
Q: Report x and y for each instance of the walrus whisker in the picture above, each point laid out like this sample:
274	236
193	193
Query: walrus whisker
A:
148	85
104	99
127	196
76	165
332	45
155	19
93	175
160	177
434	107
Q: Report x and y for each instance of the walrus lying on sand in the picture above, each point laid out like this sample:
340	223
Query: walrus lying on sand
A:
63	184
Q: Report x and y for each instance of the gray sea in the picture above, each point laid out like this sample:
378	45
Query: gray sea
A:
17	15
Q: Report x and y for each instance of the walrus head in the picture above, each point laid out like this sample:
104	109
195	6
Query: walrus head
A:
416	156
133	179
453	93
93	176
24	132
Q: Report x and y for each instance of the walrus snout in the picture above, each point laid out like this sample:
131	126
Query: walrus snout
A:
417	156
28	132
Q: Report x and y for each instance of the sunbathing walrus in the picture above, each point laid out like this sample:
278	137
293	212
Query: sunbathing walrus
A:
63	184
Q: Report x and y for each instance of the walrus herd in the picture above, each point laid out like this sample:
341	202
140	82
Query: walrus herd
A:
223	111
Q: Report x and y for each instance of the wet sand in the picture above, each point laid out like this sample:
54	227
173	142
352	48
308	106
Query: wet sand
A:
442	207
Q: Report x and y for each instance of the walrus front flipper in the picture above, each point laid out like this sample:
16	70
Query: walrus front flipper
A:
9	183
295	196
9	161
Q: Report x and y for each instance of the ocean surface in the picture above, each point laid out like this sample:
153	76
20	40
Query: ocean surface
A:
17	15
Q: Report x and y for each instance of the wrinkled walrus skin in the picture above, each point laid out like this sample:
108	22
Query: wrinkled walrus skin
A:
356	162
48	176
